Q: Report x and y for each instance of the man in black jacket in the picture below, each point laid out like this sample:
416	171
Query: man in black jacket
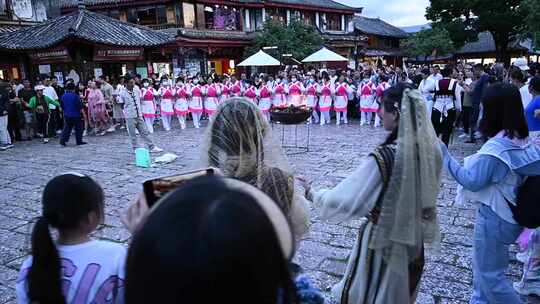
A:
5	140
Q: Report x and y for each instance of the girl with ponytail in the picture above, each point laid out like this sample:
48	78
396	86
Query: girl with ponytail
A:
71	268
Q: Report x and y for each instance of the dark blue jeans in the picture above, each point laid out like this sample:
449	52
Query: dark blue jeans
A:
69	124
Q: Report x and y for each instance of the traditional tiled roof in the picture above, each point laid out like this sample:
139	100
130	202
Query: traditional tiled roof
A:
486	44
317	3
376	26
84	25
372	52
328	4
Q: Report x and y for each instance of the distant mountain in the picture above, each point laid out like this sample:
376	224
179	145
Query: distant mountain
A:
415	28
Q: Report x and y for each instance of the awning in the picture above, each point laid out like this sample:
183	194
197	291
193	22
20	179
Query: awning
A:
324	55
260	59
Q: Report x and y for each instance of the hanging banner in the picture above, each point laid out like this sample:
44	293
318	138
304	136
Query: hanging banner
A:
57	55
117	54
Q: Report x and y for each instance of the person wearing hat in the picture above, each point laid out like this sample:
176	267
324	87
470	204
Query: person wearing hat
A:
41	106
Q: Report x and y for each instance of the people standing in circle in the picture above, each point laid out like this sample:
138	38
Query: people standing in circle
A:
250	92
342	92
196	103
223	88
326	91
280	91
265	98
312	88
211	98
235	87
295	92
181	105
72	268
148	105
167	94
366	94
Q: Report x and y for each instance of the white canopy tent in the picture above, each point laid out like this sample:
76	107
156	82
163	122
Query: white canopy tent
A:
324	55
260	59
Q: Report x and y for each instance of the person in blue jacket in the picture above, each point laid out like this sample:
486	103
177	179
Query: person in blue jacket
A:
491	178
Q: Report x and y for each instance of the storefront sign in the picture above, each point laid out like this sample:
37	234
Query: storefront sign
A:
118	54
98	72
44	69
58	55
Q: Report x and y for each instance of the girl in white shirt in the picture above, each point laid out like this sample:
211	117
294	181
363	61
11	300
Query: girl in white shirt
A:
73	268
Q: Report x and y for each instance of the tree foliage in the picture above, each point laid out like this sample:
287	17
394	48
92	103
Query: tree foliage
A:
427	42
298	39
531	10
465	19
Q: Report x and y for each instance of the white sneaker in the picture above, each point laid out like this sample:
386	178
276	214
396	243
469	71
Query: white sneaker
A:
45	140
84	133
156	149
463	135
111	129
346	122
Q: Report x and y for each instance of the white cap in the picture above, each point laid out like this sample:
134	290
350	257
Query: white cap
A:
522	64
39	87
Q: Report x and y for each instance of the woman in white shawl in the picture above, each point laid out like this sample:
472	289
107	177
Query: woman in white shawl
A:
238	142
395	188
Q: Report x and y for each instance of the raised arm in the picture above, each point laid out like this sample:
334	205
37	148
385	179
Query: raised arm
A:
353	197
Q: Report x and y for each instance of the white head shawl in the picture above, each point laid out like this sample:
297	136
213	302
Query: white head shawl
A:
408	216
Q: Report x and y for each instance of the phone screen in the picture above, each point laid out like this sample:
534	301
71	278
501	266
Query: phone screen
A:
155	189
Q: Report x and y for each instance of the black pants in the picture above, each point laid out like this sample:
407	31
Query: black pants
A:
445	126
474	119
69	124
466	119
42	124
14	129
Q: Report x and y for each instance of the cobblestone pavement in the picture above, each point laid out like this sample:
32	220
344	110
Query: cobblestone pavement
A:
334	152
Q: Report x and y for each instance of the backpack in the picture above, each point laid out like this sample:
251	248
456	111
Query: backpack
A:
526	212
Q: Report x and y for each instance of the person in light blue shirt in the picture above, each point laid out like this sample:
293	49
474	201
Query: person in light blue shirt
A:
491	178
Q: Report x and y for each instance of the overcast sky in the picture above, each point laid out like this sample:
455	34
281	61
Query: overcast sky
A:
396	12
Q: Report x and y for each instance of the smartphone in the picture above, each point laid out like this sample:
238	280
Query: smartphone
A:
154	189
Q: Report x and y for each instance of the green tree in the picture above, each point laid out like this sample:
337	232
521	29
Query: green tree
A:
297	38
531	9
427	42
465	19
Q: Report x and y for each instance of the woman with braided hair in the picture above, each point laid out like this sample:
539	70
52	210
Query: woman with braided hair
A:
396	188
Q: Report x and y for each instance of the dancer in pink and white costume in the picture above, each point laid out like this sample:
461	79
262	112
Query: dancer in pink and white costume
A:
196	103
211	99
181	106
383	86
366	94
296	91
167	93
311	98
265	98
251	92
148	106
343	90
235	87
326	90
280	94
224	88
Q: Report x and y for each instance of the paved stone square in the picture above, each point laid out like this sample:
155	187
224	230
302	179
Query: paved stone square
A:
334	152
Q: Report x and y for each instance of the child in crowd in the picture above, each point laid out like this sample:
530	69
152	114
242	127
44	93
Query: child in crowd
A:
73	268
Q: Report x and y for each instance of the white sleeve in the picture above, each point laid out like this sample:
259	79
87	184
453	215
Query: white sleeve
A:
21	286
353	197
459	89
121	264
